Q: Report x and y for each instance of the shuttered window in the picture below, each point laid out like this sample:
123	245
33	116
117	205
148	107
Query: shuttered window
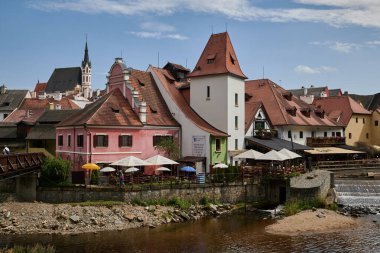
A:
60	140
100	141
125	140
80	141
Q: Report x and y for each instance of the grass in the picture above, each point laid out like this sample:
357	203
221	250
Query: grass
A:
296	206
98	203
38	248
176	202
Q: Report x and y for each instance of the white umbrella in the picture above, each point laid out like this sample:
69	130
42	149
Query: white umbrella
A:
132	169
159	160
249	154
162	169
107	169
273	156
289	153
220	166
130	161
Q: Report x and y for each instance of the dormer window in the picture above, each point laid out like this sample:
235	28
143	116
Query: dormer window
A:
211	58
287	95
291	110
115	109
305	111
232	59
140	83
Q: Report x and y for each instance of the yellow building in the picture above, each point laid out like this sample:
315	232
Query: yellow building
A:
375	127
348	112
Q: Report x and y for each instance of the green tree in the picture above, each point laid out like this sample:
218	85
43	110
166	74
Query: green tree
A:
169	147
55	171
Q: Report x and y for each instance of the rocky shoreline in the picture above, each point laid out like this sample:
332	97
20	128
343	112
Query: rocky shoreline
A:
35	218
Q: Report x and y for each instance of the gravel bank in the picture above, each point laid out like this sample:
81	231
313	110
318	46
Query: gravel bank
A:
33	218
311	221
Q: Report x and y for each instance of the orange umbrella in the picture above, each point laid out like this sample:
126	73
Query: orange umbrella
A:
90	166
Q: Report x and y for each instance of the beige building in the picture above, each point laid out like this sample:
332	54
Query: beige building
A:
348	112
375	127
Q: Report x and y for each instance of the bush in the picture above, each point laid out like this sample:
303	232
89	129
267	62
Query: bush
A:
94	177
180	203
55	171
296	206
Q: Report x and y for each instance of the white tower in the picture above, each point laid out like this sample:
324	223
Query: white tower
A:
86	74
217	90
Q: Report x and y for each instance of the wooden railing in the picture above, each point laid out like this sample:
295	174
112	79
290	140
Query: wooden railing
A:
349	164
325	141
19	163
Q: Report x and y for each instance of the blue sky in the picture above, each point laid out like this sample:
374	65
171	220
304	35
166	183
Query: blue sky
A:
297	43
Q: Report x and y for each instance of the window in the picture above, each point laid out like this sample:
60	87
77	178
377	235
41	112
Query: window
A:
289	134
125	141
367	135
357	120
218	145
376	123
338	134
209	61
333	134
259	125
69	140
208	92
363	120
349	135
232	59
5	115
325	134
60	140
80	140
158	138
236	144
236	100
236	122
100	140
301	134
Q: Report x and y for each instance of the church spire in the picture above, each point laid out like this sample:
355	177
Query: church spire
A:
86	58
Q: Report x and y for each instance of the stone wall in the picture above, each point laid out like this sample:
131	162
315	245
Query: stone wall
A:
232	193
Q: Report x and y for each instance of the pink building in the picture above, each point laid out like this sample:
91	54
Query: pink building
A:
129	120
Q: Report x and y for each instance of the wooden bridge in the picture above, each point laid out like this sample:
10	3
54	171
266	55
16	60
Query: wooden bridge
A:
351	168
18	164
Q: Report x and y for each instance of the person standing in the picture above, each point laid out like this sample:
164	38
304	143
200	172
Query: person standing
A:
6	150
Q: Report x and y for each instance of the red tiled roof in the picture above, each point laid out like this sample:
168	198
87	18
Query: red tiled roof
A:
276	105
40	87
23	115
35	103
345	104
218	57
251	109
158	114
110	110
180	101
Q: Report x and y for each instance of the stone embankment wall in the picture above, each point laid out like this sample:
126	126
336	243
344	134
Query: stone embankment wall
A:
232	193
315	184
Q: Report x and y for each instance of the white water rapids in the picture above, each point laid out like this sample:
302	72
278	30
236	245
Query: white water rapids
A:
358	192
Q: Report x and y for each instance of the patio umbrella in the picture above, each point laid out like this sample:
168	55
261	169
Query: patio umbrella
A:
162	169
132	169
220	166
130	161
289	153
188	169
159	160
90	166
273	156
249	154
107	169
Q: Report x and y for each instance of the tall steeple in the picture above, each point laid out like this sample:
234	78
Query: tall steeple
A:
86	74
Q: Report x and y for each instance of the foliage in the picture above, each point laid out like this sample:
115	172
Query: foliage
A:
38	248
176	202
296	206
55	171
206	201
94	177
98	203
180	203
169	147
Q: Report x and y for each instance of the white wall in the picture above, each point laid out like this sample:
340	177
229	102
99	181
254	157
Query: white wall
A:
220	110
307	132
188	128
251	128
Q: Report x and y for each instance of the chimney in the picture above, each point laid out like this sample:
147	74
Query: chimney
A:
118	60
135	99
304	90
28	113
3	89
51	106
142	113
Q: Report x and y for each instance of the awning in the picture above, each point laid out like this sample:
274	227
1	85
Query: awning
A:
332	151
276	144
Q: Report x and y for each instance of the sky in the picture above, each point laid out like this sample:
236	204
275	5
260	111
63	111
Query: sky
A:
292	42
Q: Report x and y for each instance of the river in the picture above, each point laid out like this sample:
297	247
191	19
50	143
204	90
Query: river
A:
235	233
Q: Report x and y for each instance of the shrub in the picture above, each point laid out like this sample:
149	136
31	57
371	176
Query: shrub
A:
55	171
296	206
94	177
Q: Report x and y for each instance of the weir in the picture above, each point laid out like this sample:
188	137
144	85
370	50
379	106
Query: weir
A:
358	192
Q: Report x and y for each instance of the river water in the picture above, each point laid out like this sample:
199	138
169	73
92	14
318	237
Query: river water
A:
234	233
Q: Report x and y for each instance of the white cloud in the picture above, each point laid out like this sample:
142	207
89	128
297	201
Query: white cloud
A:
157	26
373	43
144	34
341	47
303	69
336	13
159	35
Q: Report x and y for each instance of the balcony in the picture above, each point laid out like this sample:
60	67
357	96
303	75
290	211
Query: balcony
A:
265	133
325	141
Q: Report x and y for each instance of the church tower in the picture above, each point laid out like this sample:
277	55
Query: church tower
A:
86	74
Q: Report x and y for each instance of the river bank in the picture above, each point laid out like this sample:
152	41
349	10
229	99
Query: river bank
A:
35	218
311	221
